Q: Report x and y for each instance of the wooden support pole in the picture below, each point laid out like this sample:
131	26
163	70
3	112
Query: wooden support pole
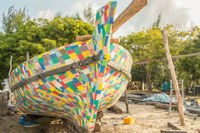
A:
126	101
171	94
27	56
9	76
182	90
174	78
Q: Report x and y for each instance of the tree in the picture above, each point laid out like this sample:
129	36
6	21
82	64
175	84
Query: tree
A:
65	30
190	67
157	22
147	44
88	14
13	19
77	16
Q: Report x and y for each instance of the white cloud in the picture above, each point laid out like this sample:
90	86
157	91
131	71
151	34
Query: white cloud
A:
177	12
77	7
193	9
46	14
170	11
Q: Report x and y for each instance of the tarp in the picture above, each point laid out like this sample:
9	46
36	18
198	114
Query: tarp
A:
163	97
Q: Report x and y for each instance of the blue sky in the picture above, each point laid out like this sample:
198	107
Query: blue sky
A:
182	13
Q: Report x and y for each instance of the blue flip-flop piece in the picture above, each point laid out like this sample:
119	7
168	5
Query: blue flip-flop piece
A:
25	123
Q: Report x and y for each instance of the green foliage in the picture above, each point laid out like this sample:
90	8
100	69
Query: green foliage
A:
64	30
36	36
147	45
190	66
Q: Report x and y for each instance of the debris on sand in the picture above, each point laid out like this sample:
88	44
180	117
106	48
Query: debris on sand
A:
116	109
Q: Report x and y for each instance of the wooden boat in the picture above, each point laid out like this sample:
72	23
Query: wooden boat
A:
75	81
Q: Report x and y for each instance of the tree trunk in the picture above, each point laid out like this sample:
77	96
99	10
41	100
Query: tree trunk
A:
148	81
190	87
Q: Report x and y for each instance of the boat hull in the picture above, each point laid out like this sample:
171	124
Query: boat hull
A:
75	81
71	94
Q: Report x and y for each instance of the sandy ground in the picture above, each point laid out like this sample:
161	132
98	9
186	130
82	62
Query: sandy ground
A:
148	120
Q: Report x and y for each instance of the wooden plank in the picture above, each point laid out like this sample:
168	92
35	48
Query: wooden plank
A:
151	103
174	127
174	78
85	38
134	7
172	131
193	110
165	106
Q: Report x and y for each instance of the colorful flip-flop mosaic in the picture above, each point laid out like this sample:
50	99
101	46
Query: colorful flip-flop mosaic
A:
80	92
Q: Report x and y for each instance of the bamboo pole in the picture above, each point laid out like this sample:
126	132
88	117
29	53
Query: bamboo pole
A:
174	78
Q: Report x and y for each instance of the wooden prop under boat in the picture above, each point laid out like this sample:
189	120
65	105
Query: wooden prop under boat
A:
75	81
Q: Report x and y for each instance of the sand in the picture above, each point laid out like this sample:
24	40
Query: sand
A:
148	120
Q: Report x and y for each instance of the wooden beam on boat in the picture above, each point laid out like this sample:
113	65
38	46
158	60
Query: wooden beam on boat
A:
88	37
134	7
83	38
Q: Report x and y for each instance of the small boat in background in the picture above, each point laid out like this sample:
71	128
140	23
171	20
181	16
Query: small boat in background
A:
77	80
